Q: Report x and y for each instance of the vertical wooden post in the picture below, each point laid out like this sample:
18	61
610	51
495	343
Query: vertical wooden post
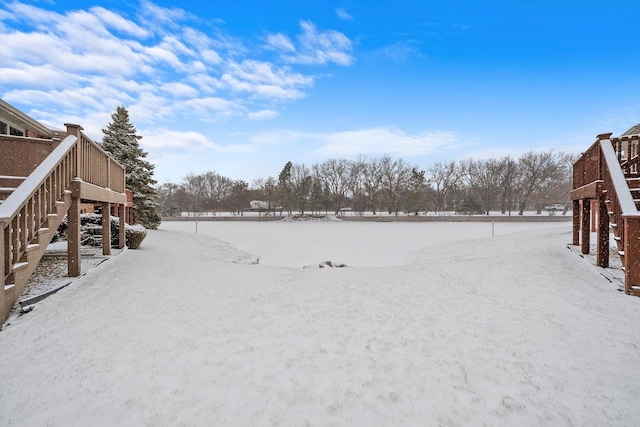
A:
76	130
585	229
122	212
3	253
602	244
106	228
73	237
576	222
631	252
109	172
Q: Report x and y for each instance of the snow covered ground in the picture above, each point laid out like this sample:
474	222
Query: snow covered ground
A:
188	330
296	244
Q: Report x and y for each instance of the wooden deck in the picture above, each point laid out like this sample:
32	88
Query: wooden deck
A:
606	175
42	180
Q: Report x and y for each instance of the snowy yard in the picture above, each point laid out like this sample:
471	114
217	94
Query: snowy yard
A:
436	324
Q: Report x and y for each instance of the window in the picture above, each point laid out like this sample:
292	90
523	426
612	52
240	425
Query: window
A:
15	132
3	128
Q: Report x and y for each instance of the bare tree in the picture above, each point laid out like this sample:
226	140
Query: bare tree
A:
217	189
300	179
444	178
335	176
508	183
355	184
538	171
484	179
194	186
372	177
395	178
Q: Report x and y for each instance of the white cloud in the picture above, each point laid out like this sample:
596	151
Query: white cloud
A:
314	47
384	140
280	42
351	143
322	47
180	90
159	54
263	80
263	115
211	56
37	77
210	109
206	83
31	14
160	17
167	143
402	51
283	137
159	64
165	139
117	22
343	14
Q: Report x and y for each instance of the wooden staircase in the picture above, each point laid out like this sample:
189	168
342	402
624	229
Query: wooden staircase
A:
618	226
605	173
21	271
34	203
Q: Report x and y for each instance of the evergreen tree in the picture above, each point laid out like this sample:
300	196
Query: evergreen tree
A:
121	141
284	186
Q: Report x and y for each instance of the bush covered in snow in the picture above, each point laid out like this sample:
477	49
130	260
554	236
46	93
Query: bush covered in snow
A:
135	234
91	231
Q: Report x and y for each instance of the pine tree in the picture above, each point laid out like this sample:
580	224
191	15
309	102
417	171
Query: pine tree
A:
121	141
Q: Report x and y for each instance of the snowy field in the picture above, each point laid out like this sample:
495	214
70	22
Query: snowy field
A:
445	326
302	243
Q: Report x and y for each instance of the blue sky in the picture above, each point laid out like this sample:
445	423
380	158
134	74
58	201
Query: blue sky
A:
242	87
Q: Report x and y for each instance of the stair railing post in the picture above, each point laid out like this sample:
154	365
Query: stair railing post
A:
631	249
106	228
3	273
585	226
576	222
122	212
73	232
76	130
602	245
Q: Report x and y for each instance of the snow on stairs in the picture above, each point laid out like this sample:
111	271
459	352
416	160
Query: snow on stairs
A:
8	184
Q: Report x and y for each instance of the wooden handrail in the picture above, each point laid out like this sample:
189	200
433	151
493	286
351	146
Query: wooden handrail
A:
26	209
618	180
20	197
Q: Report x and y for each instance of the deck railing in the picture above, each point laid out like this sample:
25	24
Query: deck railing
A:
96	166
588	168
614	179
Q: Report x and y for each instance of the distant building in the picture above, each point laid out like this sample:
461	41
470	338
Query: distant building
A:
257	205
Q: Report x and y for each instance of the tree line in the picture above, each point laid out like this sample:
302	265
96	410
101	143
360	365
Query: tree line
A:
383	184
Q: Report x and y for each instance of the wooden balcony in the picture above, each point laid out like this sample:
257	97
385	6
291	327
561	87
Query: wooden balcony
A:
42	181
607	174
